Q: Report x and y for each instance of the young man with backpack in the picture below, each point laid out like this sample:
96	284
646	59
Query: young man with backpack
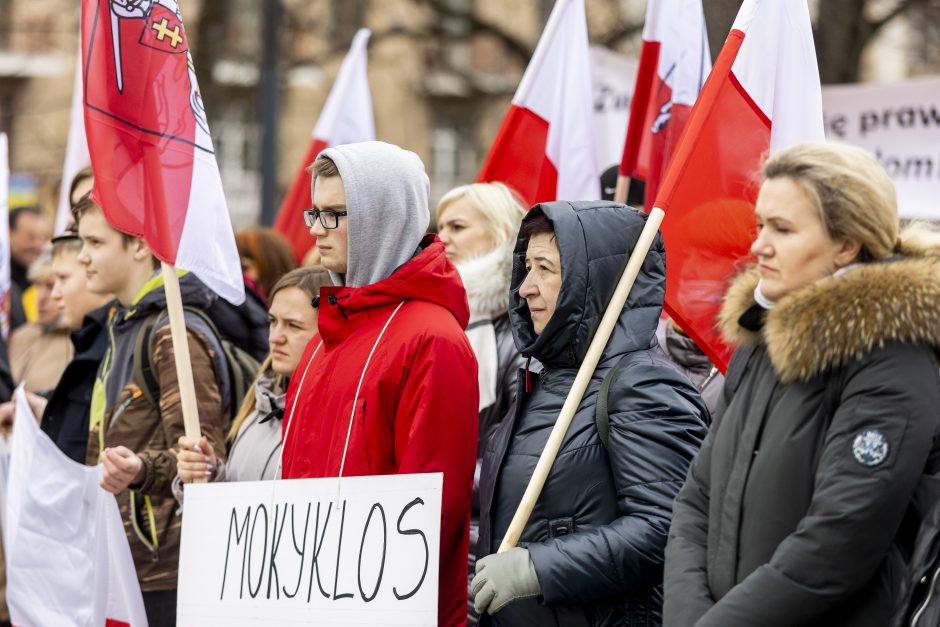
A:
134	425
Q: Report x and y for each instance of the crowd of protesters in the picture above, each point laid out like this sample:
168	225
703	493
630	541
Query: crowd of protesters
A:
800	490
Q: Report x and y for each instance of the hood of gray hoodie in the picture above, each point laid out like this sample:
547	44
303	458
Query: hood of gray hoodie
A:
387	199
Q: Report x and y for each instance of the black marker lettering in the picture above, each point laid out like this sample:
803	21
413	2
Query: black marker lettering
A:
251	542
339	548
427	554
302	550
233	524
378	581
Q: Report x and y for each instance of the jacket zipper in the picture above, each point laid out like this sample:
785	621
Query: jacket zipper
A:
930	593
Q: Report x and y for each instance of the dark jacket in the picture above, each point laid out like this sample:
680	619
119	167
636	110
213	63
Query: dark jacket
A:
597	533
65	419
919	604
19	283
245	325
152	430
798	510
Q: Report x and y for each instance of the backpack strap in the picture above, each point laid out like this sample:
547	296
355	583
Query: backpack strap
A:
143	375
601	415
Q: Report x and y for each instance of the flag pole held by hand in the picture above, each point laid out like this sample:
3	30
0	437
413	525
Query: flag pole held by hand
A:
184	368
622	189
585	372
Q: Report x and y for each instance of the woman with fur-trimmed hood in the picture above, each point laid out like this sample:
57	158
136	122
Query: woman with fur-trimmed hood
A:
803	504
477	225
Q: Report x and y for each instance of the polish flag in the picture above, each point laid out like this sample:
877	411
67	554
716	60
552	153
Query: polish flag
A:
346	119
156	175
674	63
545	146
67	557
762	95
76	151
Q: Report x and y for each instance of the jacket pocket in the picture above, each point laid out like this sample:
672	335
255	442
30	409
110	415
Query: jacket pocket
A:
558	527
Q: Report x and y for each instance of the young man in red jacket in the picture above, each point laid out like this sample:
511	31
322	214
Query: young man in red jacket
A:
389	385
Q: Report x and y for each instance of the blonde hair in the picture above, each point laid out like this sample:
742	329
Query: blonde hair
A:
502	208
852	192
309	280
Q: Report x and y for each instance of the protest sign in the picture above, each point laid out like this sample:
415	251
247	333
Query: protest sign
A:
900	124
363	551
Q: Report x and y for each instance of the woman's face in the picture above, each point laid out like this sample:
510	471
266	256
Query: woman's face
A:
462	229
292	322
792	247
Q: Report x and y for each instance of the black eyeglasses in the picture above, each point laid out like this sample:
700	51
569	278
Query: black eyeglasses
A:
329	219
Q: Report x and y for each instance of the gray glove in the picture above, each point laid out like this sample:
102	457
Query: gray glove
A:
502	578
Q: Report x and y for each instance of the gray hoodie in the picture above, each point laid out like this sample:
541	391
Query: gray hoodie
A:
387	200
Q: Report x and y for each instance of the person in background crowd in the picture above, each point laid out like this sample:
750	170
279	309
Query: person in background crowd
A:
132	435
30	231
266	257
391	346
65	417
696	365
255	435
39	351
81	184
802	506
591	553
478	225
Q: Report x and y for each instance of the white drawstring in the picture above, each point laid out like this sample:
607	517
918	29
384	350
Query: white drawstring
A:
352	414
290	418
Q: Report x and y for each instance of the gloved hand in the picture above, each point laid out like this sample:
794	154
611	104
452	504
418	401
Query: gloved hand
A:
502	578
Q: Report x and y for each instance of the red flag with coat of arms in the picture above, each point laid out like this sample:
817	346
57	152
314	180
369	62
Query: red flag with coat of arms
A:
156	174
674	63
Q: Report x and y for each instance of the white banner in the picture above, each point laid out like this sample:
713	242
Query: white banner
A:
363	551
612	78
900	124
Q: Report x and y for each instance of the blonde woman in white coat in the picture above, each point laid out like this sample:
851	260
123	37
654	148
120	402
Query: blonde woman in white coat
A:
478	224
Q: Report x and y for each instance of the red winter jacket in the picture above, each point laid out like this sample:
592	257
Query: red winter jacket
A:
418	399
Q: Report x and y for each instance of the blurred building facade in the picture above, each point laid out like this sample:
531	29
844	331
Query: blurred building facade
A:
441	72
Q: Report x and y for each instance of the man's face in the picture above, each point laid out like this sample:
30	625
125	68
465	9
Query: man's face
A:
27	239
72	298
47	309
330	196
542	283
108	261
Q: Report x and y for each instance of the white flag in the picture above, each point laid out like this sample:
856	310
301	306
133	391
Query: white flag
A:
68	561
76	151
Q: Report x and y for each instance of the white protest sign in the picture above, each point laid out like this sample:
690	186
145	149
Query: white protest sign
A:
612	78
900	124
311	551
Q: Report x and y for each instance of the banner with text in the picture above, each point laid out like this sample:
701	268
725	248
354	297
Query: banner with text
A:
900	123
363	551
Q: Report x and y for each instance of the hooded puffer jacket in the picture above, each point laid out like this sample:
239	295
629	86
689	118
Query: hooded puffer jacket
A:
800	509
597	533
416	409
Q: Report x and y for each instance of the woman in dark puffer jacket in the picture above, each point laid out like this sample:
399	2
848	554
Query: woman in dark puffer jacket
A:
592	551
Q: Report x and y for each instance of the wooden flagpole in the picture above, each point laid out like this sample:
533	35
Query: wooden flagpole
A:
184	366
622	189
588	366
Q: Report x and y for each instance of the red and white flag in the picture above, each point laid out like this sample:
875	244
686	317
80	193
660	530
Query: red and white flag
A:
346	118
67	557
545	146
5	281
762	95
674	63
76	151
156	174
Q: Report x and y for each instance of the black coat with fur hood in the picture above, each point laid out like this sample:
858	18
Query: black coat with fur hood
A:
800	508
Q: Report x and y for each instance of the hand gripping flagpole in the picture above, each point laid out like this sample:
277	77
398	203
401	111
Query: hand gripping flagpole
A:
184	367
585	372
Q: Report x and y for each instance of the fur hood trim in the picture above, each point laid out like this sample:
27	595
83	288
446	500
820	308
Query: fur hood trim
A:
841	318
486	279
